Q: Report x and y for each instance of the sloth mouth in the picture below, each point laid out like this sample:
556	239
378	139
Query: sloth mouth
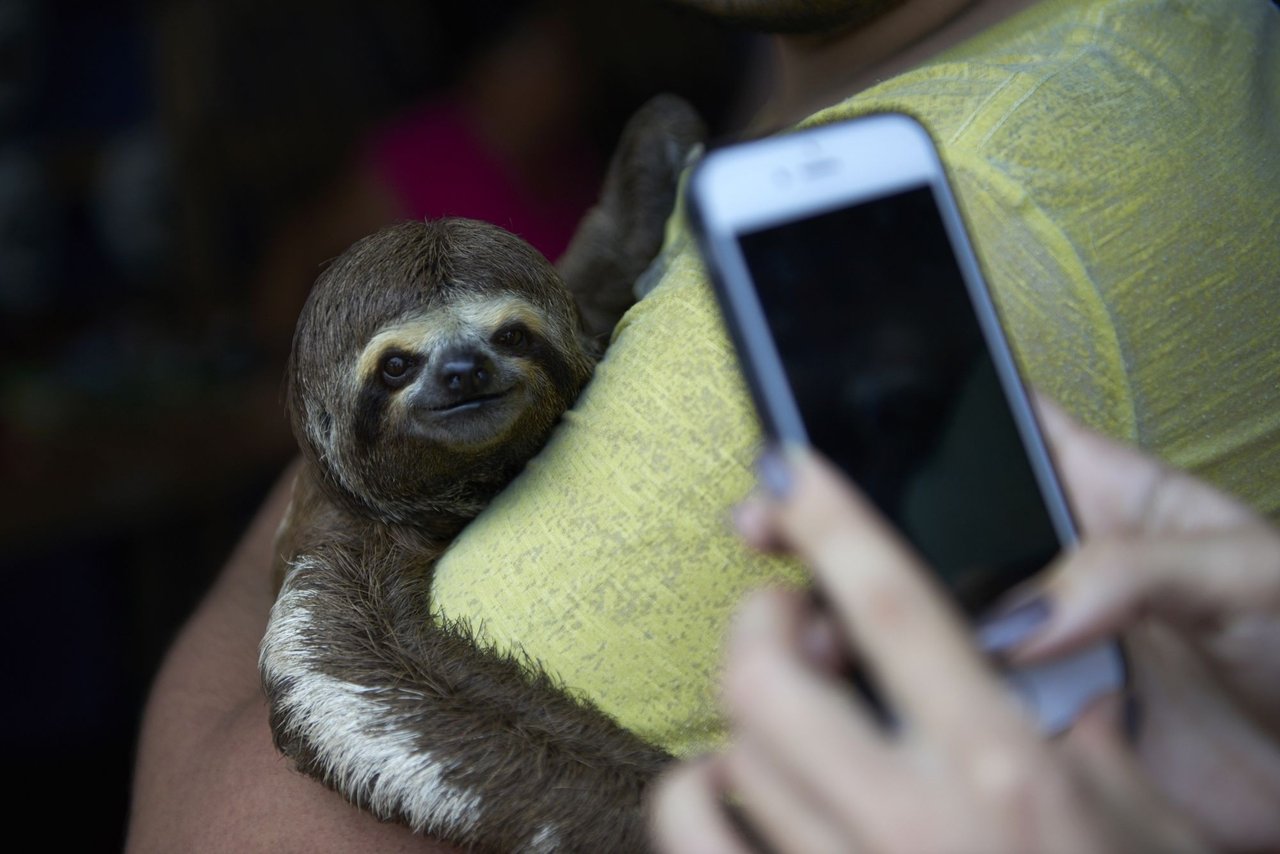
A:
470	403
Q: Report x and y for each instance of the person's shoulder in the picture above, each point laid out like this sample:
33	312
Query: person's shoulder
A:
1116	70
1155	36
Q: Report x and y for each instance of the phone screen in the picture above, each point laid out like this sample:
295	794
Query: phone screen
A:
891	373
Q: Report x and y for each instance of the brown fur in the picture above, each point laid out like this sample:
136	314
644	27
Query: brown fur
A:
387	483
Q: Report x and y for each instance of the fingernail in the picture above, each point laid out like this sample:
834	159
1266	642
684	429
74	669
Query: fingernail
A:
1004	631
747	517
774	473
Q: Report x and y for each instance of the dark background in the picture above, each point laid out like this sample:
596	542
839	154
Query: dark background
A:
172	175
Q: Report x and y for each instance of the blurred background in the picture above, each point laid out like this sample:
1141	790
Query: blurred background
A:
173	174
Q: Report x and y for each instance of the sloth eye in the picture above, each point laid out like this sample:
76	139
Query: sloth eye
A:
511	336
395	369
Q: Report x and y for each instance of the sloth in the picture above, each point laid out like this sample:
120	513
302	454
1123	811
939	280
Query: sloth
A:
431	361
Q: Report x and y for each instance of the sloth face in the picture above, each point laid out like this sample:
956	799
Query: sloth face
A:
430	363
463	375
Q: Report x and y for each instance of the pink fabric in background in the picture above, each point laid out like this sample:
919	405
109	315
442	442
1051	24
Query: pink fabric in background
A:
434	165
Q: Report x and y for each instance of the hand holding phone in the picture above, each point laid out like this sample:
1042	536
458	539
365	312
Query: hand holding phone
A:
865	328
809	769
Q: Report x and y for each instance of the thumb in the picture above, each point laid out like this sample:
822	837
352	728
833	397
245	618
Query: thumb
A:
1116	488
1191	580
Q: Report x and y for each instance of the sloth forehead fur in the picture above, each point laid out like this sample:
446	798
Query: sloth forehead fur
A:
430	361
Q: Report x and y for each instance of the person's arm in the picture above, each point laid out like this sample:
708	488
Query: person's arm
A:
208	777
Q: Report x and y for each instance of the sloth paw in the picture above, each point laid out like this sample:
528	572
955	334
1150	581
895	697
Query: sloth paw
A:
640	188
622	234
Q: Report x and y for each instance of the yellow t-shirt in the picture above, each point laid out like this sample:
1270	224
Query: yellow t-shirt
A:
1118	164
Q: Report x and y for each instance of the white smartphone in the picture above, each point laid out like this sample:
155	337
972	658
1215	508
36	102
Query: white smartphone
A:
864	327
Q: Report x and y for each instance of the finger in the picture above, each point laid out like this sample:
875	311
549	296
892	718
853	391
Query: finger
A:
906	629
812	726
753	520
1189	580
1108	770
1096	751
1109	483
1098	728
1115	488
779	810
772	688
821	644
686	815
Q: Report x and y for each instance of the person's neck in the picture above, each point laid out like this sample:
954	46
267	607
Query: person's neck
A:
815	71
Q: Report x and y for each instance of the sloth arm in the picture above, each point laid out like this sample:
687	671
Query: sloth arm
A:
208	777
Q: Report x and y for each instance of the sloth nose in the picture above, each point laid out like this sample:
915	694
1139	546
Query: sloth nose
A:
465	373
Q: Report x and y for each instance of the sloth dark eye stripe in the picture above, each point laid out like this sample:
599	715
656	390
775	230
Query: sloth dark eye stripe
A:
371	405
